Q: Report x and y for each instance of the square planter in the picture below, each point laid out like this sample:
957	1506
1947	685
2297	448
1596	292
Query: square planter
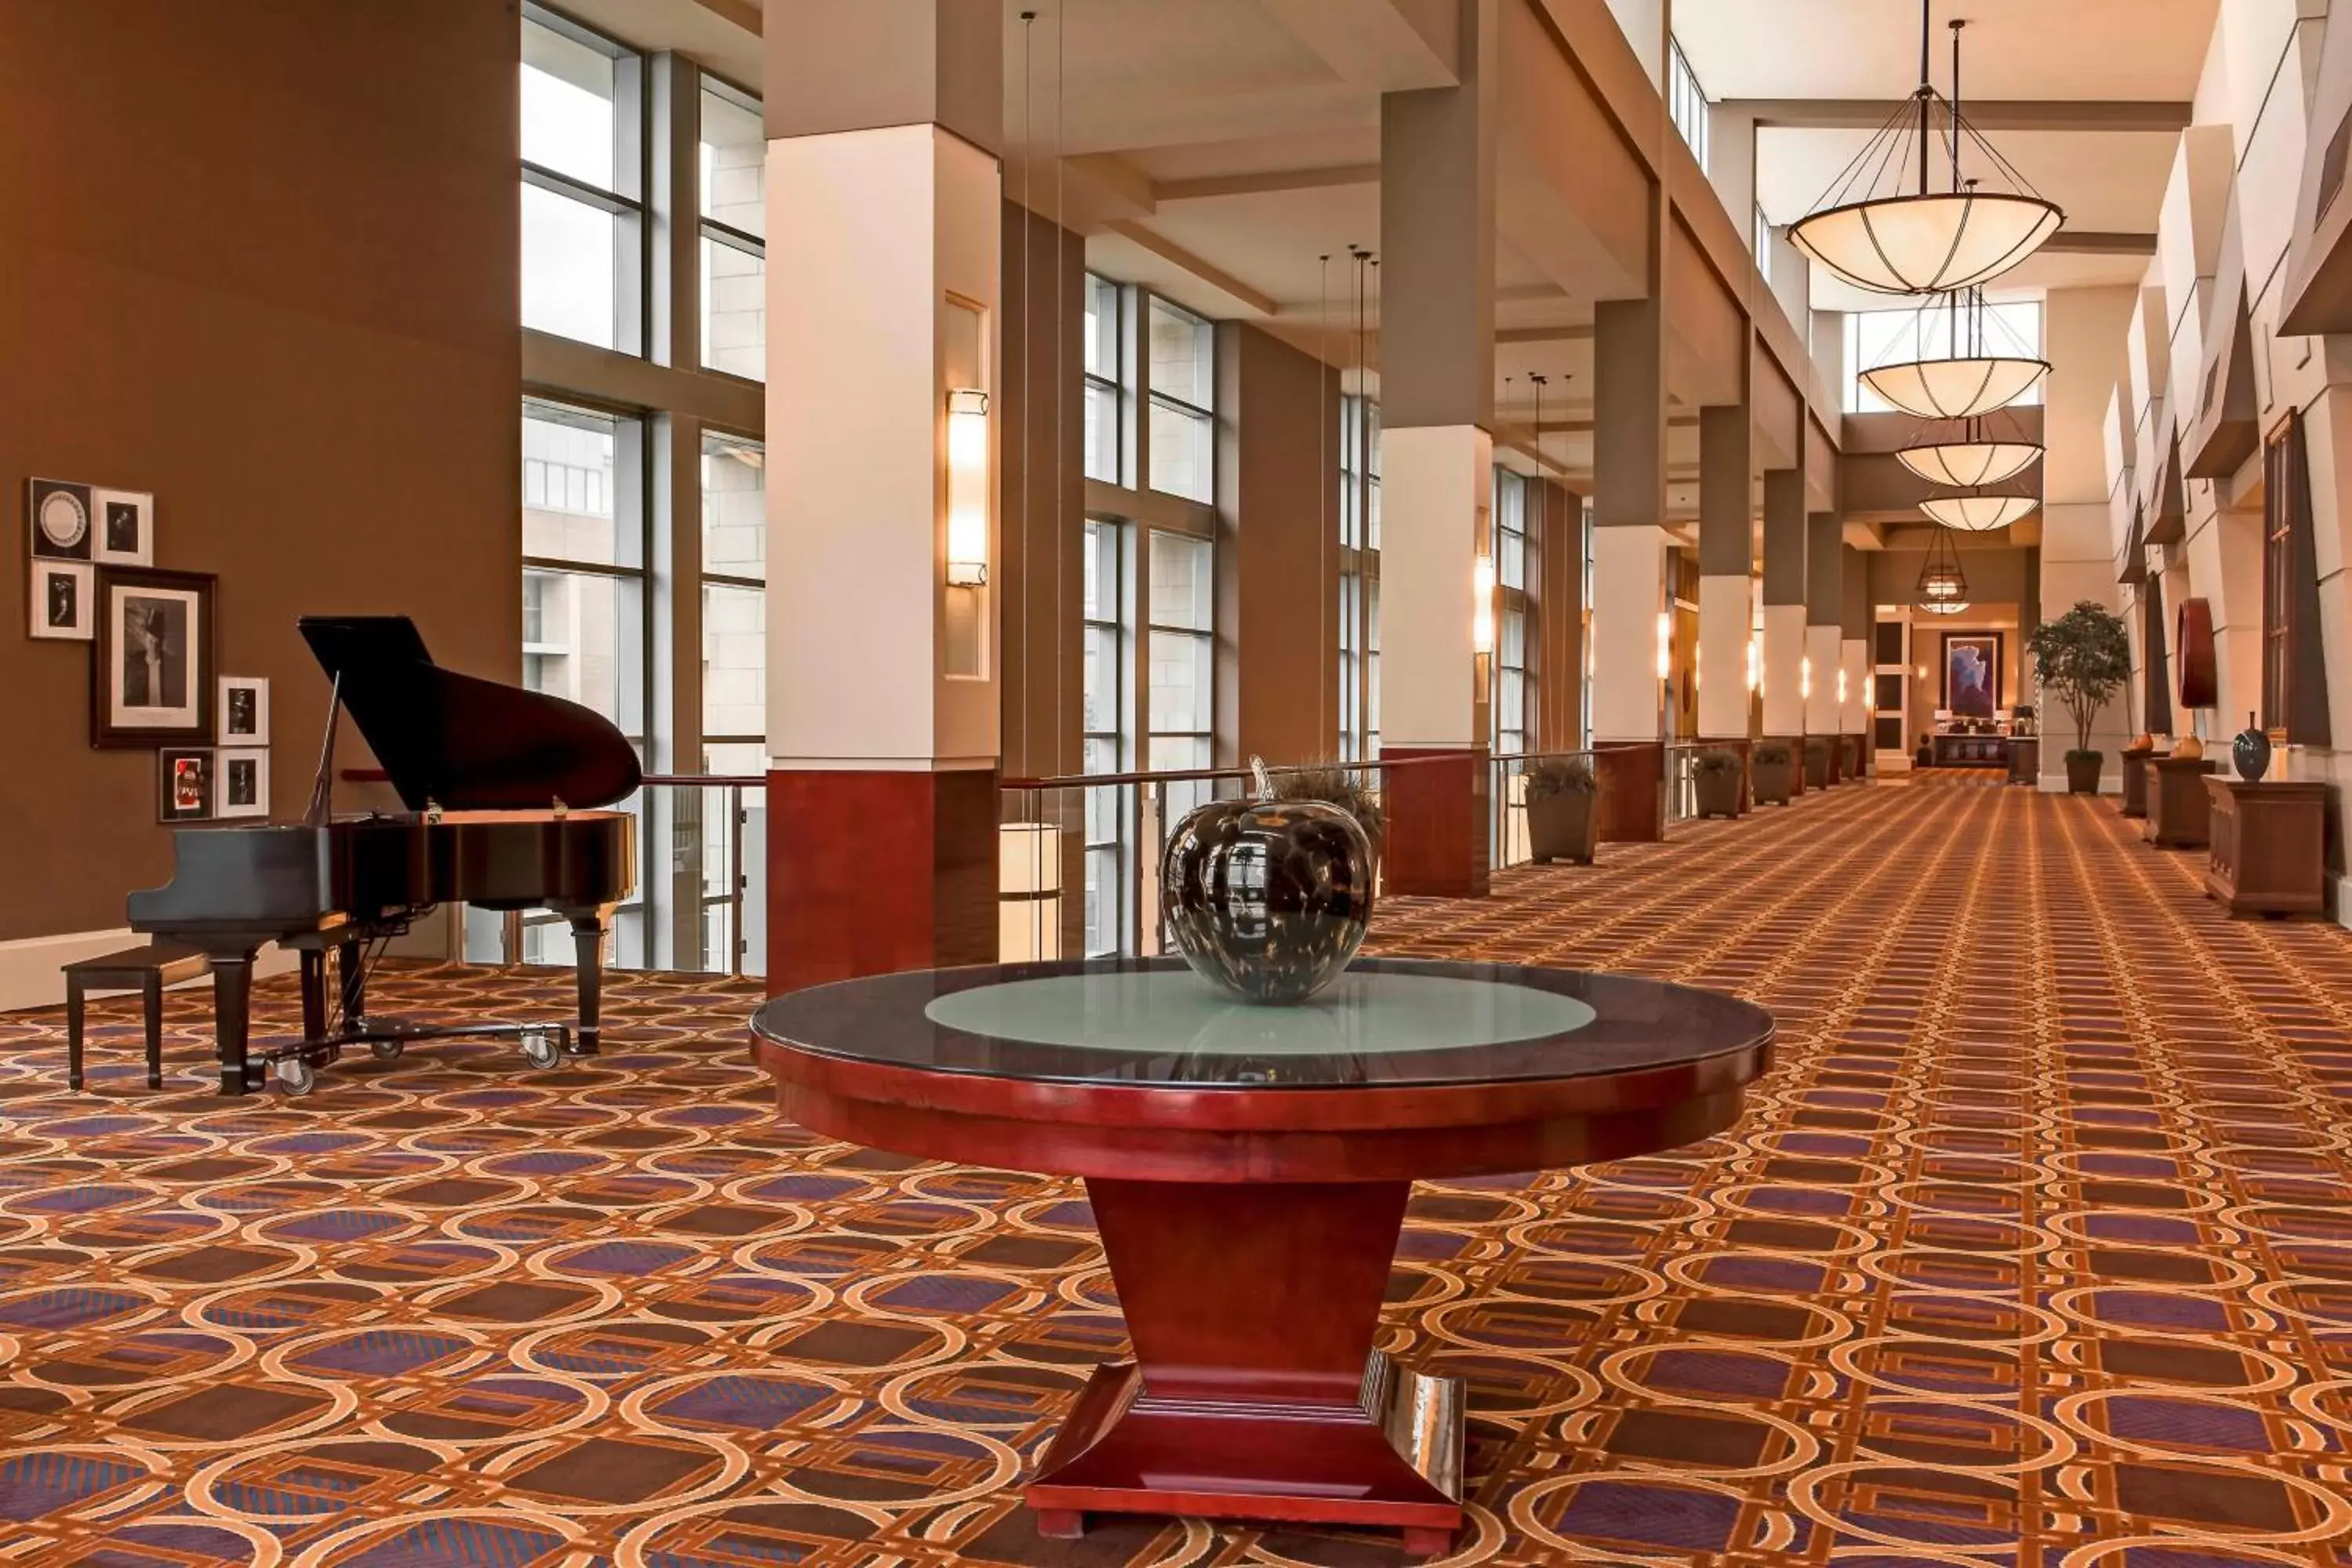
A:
1562	826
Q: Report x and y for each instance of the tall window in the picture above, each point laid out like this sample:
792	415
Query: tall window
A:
1105	415
1183	399
1760	235
1183	652
734	607
1102	720
2012	328
1584	725
734	205
1685	101
1359	579
1514	690
584	598
583	180
2294	695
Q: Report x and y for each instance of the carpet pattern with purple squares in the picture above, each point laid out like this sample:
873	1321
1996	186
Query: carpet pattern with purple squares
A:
2035	1247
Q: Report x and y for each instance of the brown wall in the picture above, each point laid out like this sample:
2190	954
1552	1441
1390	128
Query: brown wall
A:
262	262
1278	550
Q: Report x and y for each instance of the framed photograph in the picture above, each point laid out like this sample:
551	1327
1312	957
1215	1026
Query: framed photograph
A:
61	607
241	785
122	528
1972	674
57	520
185	779
153	658
244	710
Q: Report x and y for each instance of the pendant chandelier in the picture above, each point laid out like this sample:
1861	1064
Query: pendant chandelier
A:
1948	608
1941	580
1878	234
1971	461
1973	377
1976	514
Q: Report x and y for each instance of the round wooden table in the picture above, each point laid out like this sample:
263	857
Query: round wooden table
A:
1248	1168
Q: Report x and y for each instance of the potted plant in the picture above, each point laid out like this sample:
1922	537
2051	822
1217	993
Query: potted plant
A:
1715	780
1817	761
2083	658
1561	823
1772	773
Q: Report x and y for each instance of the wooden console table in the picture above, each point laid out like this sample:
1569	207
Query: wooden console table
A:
2269	854
2134	802
2178	813
2025	759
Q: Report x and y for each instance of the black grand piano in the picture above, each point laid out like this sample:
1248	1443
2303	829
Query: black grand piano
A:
500	786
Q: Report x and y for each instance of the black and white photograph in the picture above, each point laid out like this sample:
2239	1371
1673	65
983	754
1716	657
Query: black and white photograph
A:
241	784
244	710
61	607
58	520
154	658
122	525
184	784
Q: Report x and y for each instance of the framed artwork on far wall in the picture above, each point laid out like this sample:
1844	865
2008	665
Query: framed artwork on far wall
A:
241	781
185	783
1972	674
122	528
244	710
56	520
61	607
152	663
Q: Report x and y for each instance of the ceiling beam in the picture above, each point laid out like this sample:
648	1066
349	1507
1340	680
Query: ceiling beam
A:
1205	186
1542	334
2099	242
1176	256
1984	114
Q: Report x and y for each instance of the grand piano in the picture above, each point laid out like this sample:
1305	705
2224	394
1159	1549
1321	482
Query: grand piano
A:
500	786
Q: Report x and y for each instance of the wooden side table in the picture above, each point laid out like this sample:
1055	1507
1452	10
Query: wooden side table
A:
146	970
2025	760
2269	854
2178	811
2134	800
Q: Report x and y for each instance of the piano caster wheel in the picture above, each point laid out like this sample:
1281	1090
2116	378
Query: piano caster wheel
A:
540	1050
295	1076
385	1050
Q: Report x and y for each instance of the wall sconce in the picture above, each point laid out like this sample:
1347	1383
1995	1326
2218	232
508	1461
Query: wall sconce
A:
1482	606
967	489
1805	677
1841	687
1755	662
1666	645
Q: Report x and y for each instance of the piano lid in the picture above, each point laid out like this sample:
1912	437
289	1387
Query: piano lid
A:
458	741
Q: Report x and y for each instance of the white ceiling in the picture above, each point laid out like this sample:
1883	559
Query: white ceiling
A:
2108	180
2068	49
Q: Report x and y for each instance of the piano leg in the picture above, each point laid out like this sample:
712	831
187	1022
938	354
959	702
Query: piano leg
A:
588	963
350	964
232	1015
314	994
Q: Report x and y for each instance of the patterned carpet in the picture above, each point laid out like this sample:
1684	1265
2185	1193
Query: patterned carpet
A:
2035	1247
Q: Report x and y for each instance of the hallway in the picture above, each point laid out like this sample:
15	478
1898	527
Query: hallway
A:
2035	1247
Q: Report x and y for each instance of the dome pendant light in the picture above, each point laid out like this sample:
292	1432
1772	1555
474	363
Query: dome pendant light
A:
1973	378
1976	514
1970	462
1942	583
1870	231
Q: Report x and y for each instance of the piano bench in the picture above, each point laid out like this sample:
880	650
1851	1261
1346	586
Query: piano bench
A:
146	970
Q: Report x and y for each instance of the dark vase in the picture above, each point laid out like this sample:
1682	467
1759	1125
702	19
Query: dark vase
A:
1268	899
2252	752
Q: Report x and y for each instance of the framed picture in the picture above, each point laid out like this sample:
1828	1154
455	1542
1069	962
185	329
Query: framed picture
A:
61	607
122	528
1972	674
242	786
186	786
152	659
244	710
56	520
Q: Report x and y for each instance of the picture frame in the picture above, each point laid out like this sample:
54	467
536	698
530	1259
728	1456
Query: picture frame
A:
1972	674
122	528
152	660
58	520
244	710
61	607
183	778
241	781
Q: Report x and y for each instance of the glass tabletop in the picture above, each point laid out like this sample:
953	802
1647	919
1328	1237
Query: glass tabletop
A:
1153	1022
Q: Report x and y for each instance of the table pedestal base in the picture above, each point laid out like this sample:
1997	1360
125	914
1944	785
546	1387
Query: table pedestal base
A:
1255	1392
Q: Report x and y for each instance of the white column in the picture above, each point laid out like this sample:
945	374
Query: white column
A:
1824	647
1437	488
1725	622
1854	713
1784	658
1629	594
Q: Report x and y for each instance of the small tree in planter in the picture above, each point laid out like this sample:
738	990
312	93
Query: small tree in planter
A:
1772	772
2083	658
1715	780
1561	819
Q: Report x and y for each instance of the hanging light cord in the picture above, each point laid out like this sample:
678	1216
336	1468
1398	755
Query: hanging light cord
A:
1061	381
1028	387
1328	583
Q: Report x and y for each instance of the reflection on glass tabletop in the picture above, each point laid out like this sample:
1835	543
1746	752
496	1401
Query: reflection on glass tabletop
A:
1148	1022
